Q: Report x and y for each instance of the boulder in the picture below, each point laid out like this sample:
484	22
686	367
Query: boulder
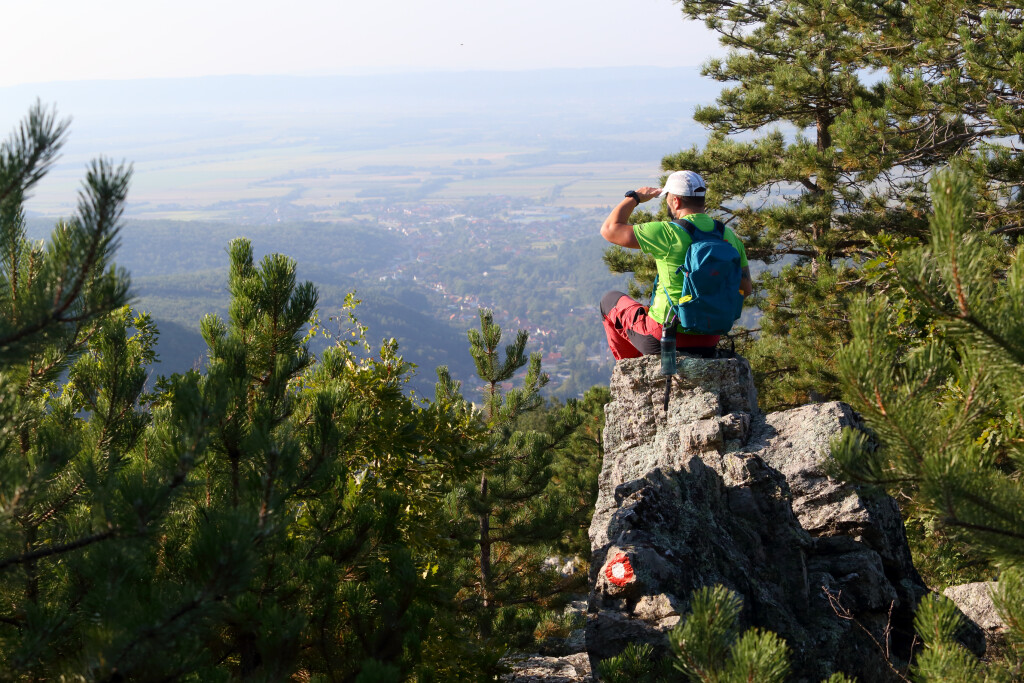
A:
975	601
712	491
562	661
573	668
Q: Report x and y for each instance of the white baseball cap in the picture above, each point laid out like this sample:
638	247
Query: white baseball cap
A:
684	184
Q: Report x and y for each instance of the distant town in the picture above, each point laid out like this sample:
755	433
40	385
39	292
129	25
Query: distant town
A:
515	228
502	253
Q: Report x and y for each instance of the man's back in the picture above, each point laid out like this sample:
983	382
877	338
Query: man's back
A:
669	243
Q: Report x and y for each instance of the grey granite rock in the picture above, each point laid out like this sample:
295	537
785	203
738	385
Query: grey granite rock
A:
574	668
715	492
975	601
565	661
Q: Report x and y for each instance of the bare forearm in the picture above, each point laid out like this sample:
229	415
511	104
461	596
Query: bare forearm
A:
616	228
620	214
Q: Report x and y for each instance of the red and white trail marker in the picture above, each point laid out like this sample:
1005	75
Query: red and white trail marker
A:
619	571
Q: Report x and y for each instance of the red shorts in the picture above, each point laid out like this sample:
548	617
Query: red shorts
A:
632	333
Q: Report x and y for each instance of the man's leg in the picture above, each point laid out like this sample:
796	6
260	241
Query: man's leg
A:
632	333
614	326
627	326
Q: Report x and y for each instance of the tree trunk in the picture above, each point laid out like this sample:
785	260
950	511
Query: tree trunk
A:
485	563
822	121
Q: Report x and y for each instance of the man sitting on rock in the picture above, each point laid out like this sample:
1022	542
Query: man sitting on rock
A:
632	329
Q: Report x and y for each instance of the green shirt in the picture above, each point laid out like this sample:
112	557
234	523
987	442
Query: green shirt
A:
668	245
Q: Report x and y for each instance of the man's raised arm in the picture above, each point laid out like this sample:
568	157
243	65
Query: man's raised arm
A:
616	228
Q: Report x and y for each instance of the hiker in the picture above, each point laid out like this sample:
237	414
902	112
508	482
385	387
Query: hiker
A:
632	329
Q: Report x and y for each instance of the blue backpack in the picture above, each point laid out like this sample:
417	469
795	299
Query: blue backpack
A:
711	300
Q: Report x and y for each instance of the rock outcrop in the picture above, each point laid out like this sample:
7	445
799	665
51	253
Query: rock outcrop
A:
715	492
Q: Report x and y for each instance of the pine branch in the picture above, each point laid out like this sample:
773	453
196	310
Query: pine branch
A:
28	154
1009	229
986	505
60	504
157	630
58	549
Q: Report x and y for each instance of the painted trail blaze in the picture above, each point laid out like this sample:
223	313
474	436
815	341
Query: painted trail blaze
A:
619	571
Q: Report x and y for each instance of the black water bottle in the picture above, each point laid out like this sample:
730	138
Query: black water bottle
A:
668	347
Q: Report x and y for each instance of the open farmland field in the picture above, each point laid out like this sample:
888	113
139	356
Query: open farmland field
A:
267	150
209	184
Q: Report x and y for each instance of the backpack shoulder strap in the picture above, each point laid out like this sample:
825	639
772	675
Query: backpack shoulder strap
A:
684	225
689	227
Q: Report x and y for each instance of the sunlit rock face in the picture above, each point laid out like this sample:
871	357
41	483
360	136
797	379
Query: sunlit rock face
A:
976	602
715	492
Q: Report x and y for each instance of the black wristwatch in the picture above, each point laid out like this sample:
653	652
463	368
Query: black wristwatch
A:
632	195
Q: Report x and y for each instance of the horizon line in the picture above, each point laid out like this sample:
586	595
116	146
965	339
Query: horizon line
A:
360	72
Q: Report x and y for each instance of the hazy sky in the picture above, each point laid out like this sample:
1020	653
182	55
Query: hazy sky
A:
69	40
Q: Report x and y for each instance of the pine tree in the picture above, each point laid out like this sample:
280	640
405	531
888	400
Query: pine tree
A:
707	647
576	468
53	296
518	509
953	90
945	407
54	299
635	663
820	172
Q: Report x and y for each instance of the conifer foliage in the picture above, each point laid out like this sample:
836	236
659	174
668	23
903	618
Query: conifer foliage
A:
819	171
276	516
520	508
707	647
945	405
